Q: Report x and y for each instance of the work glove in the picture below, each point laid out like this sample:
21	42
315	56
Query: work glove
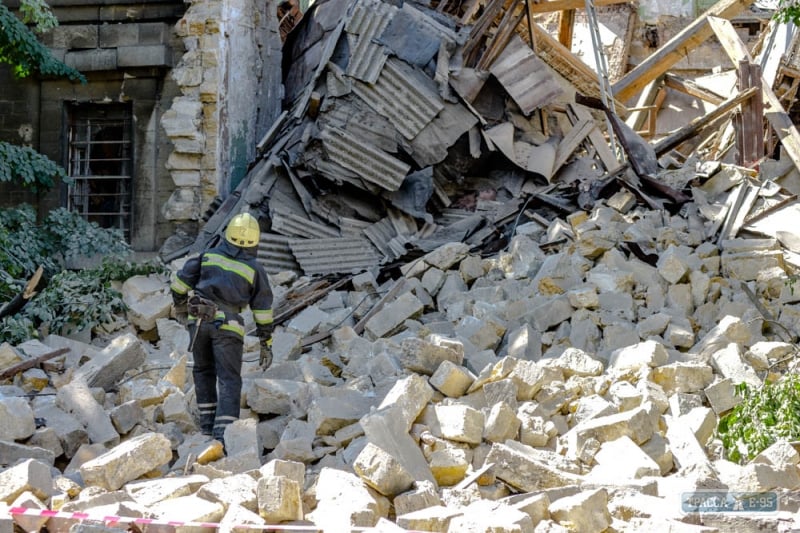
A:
180	309
265	359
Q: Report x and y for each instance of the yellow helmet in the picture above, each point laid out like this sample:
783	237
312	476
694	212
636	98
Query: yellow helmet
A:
243	231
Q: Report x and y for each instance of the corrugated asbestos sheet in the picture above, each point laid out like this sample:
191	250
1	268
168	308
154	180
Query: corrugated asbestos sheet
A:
368	57
342	256
296	226
407	97
380	233
526	77
275	255
372	164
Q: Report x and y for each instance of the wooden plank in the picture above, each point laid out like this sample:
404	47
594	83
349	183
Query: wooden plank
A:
572	140
577	112
692	128
773	110
750	136
692	89
642	110
566	23
30	363
675	49
565	5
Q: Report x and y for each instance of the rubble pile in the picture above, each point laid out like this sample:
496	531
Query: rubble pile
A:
522	333
576	389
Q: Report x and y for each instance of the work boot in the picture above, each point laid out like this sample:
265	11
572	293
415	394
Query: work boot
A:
206	424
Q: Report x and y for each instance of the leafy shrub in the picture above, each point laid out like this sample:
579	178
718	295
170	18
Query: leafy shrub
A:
766	414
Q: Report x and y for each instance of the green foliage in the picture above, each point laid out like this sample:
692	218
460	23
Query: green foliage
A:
20	48
72	299
765	415
788	11
28	167
39	13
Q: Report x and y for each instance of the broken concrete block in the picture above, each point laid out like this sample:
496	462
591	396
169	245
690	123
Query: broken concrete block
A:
381	471
345	502
451	379
644	354
585	512
279	499
501	423
683	377
623	459
408	396
76	398
107	367
28	476
518	465
460	423
127	461
449	466
238	489
16	419
435	518
722	396
421	496
393	315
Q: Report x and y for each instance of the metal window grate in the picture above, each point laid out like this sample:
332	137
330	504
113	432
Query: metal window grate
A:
100	163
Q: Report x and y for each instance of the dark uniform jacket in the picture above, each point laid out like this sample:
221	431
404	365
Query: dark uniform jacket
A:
230	277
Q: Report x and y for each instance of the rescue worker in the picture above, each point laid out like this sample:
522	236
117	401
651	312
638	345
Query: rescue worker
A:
225	279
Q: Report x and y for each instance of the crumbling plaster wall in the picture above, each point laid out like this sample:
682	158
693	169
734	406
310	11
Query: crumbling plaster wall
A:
231	92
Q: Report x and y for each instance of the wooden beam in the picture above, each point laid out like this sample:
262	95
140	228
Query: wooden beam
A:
692	89
692	128
750	134
675	49
773	110
566	5
566	22
30	363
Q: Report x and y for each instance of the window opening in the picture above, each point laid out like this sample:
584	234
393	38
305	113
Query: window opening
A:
100	162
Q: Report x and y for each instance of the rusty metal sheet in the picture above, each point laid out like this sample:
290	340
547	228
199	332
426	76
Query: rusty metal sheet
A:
370	163
341	256
526	77
404	95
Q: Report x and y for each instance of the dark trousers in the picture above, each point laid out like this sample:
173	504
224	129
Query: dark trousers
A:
217	376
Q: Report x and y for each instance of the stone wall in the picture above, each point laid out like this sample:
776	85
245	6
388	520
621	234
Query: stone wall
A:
231	92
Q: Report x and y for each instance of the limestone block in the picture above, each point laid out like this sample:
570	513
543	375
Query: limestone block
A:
333	408
623	459
729	363
381	471
447	255
237	518
421	496
35	379
238	489
642	355
449	466
147	299
184	202
722	396
393	315
290	469
451	379
344	502
779	453
460	423
683	377
11	452
127	461
585	512
636	424
409	396
279	499
652	325
762	477
47	438
190	508
241	438
679	298
748	266
679	333
484	333
624	395
594	243
769	351
687	452
277	397
673	263
525	342
152	491
657	448
534	505
9	355
432	280
175	408
435	519
487	515
126	415
501	423
28	476
519	466
592	406
551	313
296	442
105	369
70	431
34	521
16	419
730	329
536	431
576	362
471	268
76	398
502	390
584	297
